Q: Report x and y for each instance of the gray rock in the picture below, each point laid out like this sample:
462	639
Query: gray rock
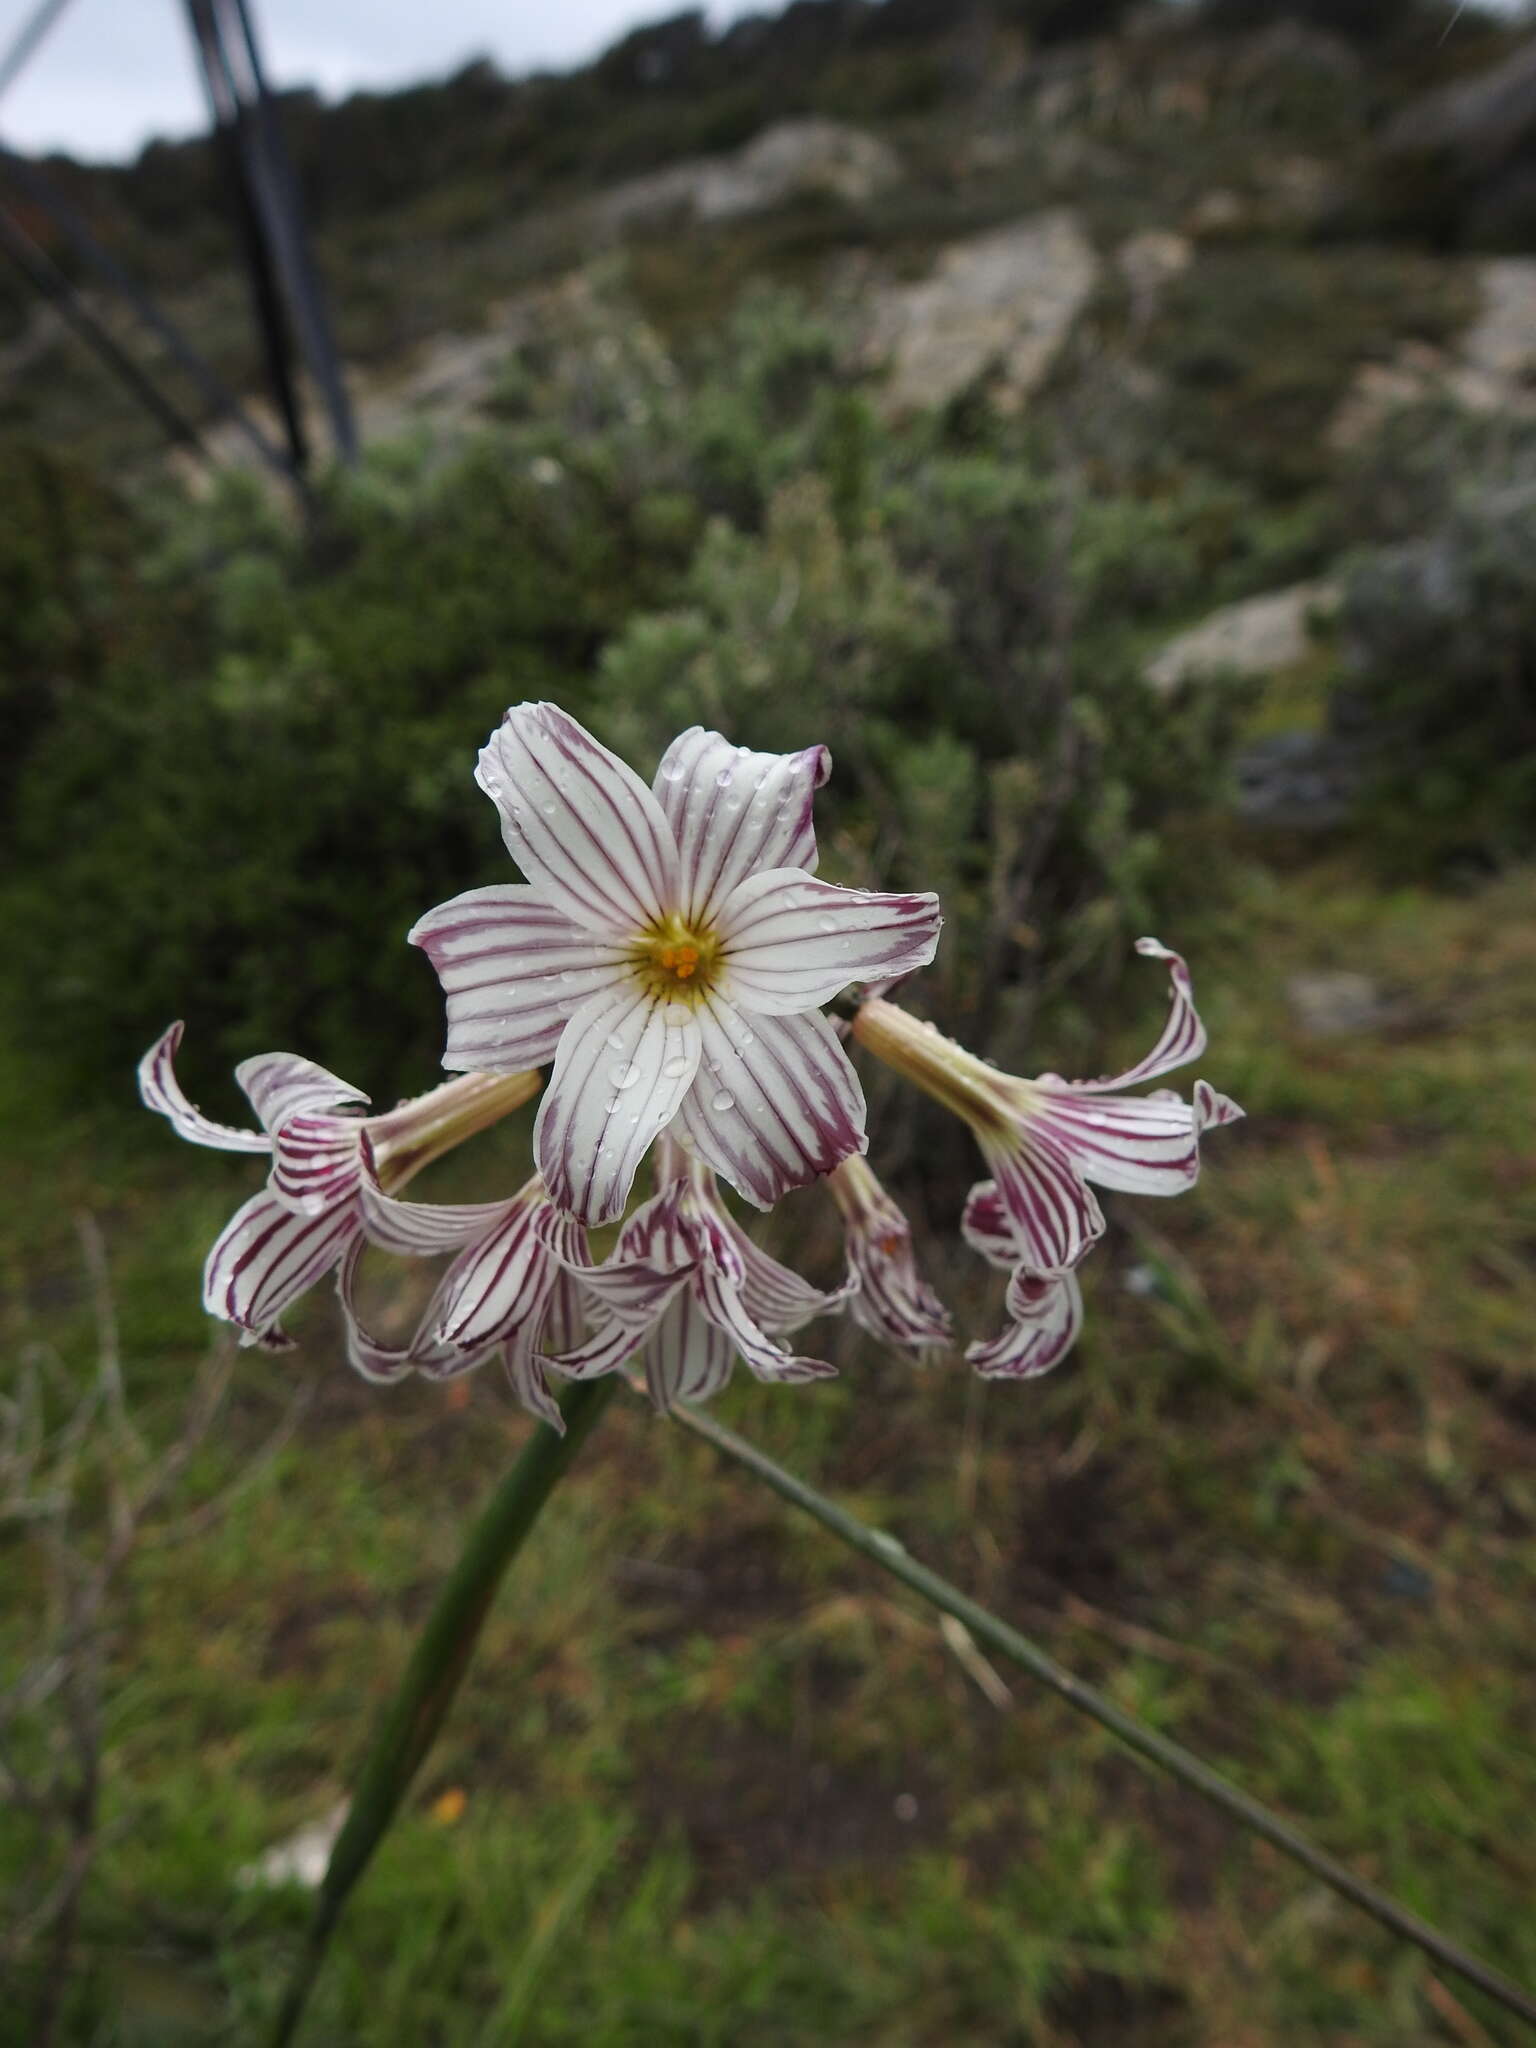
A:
790	160
997	304
1257	636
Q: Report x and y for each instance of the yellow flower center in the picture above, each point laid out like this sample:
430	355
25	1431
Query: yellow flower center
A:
673	960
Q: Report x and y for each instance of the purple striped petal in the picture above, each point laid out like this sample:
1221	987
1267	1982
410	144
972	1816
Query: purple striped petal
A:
1139	1144
623	1068
686	1357
722	1304
774	1296
583	827
565	1315
609	1347
776	1104
734	812
1056	1215
422	1230
266	1256
317	1161
513	969
634	1292
1046	1317
280	1085
988	1228
161	1091
382	1363
496	1285
890	1300
1213	1110
791	942
525	1376
1181	1040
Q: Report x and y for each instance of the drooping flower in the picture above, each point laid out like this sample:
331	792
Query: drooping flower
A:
669	950
1045	1311
686	1292
330	1167
1047	1140
891	1300
512	1292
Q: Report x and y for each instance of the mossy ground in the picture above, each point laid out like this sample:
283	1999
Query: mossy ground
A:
721	1784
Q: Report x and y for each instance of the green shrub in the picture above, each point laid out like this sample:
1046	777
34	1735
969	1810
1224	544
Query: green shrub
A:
238	809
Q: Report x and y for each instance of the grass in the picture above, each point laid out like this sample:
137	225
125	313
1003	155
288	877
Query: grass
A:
709	1782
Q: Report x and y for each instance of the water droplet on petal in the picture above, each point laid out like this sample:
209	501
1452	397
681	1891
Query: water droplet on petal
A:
826	924
674	1068
722	1099
725	778
615	1042
624	1075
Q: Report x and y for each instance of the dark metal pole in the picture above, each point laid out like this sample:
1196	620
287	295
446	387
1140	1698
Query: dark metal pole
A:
41	192
44	275
278	195
229	118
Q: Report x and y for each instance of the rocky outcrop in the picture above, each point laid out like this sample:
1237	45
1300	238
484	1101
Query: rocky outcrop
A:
790	160
1255	637
996	305
1493	368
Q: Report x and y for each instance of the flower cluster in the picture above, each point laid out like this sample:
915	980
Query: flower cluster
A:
667	957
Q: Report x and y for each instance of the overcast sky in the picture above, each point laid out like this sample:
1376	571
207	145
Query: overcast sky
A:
111	73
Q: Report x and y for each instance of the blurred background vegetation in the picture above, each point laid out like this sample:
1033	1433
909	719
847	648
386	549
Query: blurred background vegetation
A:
1114	432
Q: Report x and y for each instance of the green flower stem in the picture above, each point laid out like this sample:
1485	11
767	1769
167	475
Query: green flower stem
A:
437	1665
1172	1757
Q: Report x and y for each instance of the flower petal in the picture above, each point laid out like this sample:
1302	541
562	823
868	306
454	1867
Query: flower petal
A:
776	1103
686	1357
382	1363
1213	1110
513	968
525	1375
267	1255
1046	1319
633	1291
1181	1039
421	1230
1056	1215
565	1316
582	826
988	1228
610	1346
1140	1144
791	942
893	1301
496	1285
623	1068
317	1161
280	1085
775	1296
161	1091
770	1361
733	812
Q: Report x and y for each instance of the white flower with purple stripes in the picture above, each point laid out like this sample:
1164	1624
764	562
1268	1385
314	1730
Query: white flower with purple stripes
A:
513	1291
1045	1311
890	1299
330	1165
669	951
1049	1141
686	1292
